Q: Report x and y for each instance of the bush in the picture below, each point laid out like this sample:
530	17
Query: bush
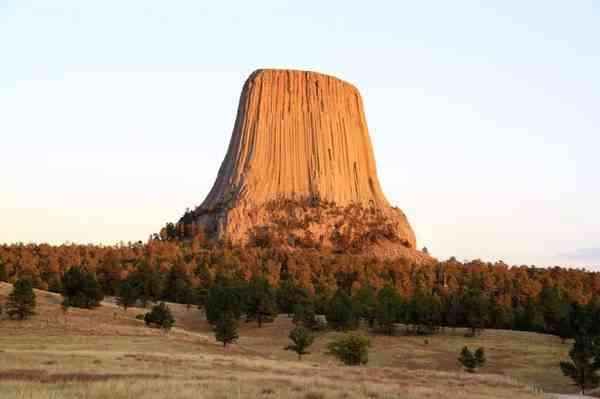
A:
302	338
21	301
471	361
160	316
140	316
352	349
80	289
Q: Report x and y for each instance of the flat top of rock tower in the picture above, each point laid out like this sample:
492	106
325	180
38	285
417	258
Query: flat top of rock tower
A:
309	75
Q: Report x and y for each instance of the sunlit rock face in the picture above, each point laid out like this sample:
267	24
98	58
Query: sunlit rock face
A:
300	162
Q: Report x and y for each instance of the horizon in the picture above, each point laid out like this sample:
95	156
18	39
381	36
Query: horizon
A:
482	120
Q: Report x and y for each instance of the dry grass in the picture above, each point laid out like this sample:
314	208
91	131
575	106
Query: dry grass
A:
106	353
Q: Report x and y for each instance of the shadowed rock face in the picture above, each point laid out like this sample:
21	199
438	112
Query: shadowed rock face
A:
299	136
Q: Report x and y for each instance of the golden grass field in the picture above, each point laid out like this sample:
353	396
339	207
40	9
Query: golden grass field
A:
107	353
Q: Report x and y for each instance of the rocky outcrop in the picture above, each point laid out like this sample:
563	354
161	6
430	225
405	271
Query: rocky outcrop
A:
300	140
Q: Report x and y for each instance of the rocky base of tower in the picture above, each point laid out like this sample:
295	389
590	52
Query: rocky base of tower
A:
308	223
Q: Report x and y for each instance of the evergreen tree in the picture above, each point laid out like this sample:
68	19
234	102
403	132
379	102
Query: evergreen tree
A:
259	301
425	312
499	316
3	272
340	311
584	364
81	289
475	308
176	285
471	361
367	303
160	316
480	357
304	315
148	281
301	338
565	329
388	309
552	308
453	312
224	296
226	329
128	294
529	317
21	301
289	295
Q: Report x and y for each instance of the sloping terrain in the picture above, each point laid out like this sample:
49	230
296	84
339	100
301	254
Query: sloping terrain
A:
107	353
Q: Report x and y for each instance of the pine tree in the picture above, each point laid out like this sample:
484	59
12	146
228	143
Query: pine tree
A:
80	289
425	311
552	308
21	301
475	307
480	357
160	316
226	329
128	294
367	303
289	295
585	363
453	311
340	311
259	301
304	315
176	284
224	296
3	272
302	338
471	361
388	309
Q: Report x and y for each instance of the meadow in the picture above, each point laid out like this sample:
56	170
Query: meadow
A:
108	353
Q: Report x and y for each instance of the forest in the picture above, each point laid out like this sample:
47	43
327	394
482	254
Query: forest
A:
451	293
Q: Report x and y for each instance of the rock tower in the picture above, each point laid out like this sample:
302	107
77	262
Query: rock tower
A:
300	171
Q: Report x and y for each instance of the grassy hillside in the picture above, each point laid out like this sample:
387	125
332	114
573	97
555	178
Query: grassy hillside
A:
107	353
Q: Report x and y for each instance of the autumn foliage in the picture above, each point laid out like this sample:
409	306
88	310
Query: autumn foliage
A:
474	294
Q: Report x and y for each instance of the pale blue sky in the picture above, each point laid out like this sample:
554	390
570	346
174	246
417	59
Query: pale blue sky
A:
115	115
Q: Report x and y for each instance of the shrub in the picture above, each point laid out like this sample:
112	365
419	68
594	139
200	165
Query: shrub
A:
471	361
81	289
160	316
302	338
140	316
352	349
21	301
